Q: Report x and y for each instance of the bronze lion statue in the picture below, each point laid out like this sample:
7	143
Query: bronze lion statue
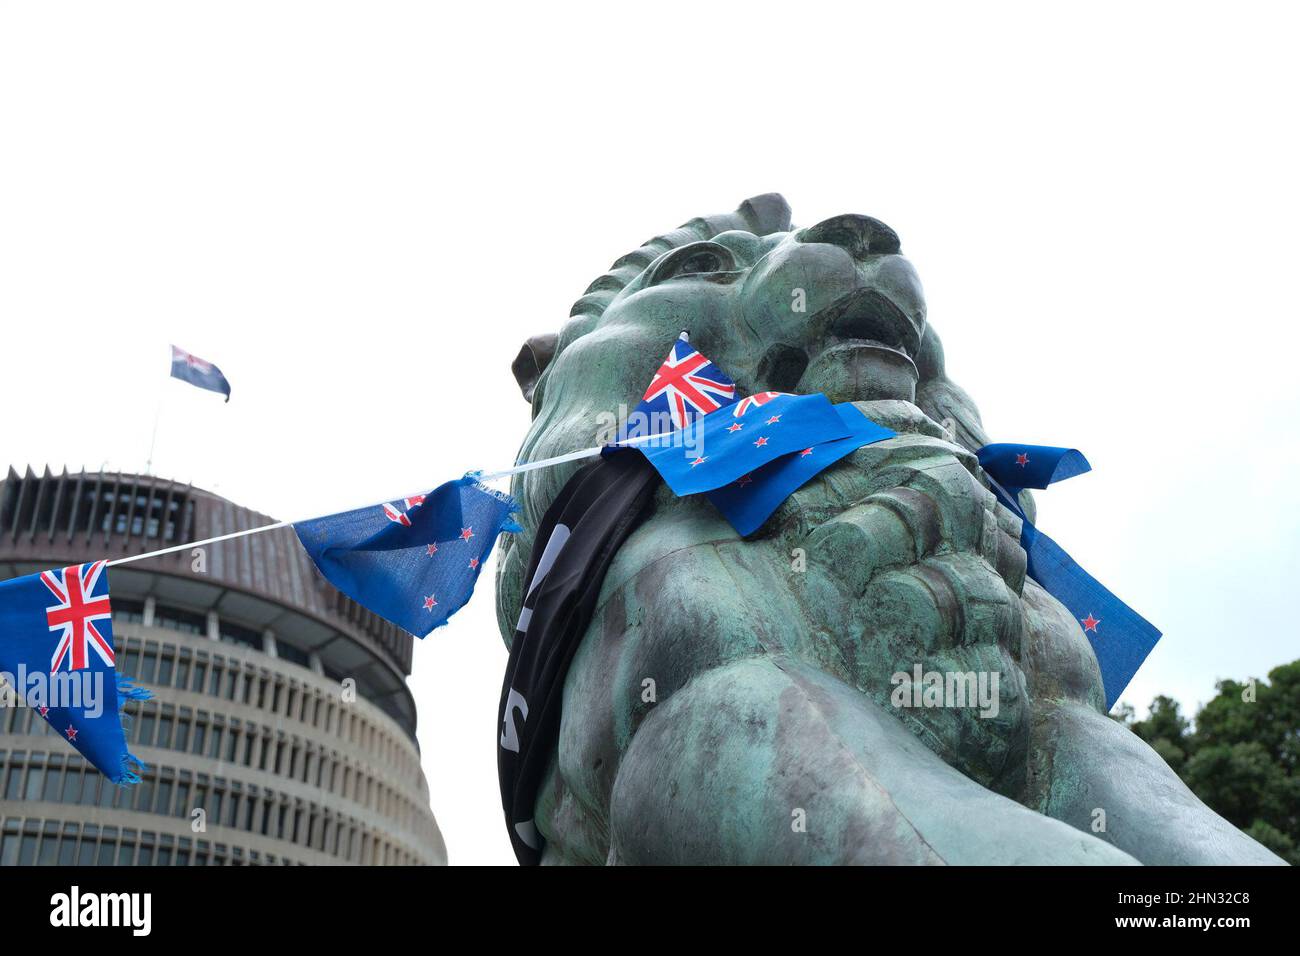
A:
732	700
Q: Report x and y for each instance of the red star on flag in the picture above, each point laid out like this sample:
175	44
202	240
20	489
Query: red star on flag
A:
44	710
473	563
744	480
773	420
806	451
1090	623
1022	459
699	461
429	603
760	443
431	549
71	732
735	427
466	533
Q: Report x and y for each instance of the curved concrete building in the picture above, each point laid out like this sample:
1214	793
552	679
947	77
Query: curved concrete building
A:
282	730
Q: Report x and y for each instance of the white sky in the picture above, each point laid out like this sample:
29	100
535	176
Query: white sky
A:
360	210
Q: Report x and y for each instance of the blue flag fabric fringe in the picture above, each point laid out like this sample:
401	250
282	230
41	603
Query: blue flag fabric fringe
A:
413	562
1121	638
57	652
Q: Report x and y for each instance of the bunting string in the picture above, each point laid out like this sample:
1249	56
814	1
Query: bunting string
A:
491	476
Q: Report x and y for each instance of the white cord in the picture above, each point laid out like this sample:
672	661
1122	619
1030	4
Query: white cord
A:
505	472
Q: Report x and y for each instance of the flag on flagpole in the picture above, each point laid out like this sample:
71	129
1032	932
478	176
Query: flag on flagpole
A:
1121	638
190	368
750	500
415	561
57	652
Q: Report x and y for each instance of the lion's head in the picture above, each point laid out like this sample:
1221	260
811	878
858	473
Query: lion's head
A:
832	308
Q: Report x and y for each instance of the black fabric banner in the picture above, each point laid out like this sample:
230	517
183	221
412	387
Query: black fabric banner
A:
577	540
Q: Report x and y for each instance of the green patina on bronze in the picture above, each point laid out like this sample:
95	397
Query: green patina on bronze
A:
771	736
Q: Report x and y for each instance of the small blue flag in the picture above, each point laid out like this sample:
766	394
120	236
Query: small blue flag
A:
717	449
749	500
1121	638
686	386
1016	467
413	562
56	650
192	369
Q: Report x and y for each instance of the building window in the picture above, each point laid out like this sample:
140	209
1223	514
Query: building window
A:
165	664
146	850
124	609
241	636
72	781
14	785
148	664
292	654
68	846
187	622
54	780
35	780
145	723
200	675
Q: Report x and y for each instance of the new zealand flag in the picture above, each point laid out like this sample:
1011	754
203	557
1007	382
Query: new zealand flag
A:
718	449
415	561
1121	638
190	368
749	500
56	651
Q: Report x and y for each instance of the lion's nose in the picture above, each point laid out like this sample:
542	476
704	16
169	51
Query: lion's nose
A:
860	236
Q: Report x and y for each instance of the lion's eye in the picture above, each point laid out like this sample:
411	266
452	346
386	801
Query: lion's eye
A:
698	258
700	262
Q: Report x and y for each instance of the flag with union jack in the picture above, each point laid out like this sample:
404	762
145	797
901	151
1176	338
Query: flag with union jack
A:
79	618
188	367
686	386
722	448
719	449
57	656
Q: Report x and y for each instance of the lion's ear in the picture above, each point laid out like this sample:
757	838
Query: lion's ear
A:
533	357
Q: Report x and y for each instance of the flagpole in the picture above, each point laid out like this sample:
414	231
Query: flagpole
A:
157	415
148	465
